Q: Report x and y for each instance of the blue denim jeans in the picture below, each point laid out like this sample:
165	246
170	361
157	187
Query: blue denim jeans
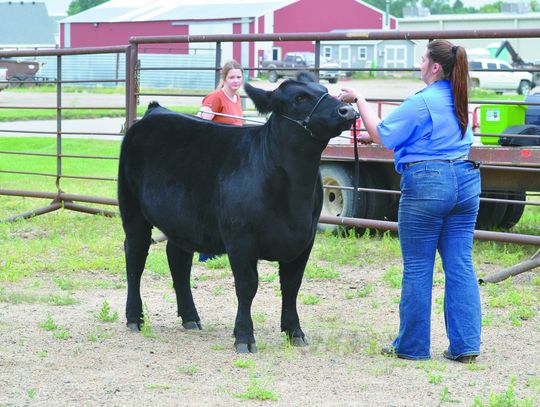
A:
437	211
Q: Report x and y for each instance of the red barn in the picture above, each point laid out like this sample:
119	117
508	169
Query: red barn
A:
114	22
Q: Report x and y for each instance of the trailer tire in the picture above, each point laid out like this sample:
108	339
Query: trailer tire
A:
491	214
332	80
338	202
513	211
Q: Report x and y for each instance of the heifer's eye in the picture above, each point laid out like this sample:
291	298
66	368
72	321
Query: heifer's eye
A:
299	99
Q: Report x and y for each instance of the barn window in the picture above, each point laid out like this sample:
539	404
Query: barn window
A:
362	52
327	52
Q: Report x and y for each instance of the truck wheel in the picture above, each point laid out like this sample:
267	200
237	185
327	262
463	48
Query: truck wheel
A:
524	87
491	214
332	80
513	211
338	202
272	76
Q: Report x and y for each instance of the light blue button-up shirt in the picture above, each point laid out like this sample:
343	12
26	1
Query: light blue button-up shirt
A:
425	127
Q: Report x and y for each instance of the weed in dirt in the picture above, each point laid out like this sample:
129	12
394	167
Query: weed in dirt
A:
258	317
217	346
393	276
219	262
146	329
244	363
188	370
314	271
157	386
31	393
106	314
218	290
360	292
63	334
48	324
434	378
97	334
268	277
445	397
310	299
507	398
43	354
439	302
56	299
255	391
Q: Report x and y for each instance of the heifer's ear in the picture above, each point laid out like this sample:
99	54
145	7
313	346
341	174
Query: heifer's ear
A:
260	97
306	77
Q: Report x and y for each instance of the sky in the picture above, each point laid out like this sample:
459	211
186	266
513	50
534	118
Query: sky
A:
57	6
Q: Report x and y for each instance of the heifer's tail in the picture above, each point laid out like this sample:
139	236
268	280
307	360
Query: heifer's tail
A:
151	107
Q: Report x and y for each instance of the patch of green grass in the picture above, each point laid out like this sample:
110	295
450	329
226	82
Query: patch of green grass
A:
63	334
146	329
157	386
188	370
360	293
219	262
255	391
258	317
507	398
48	324
314	271
310	299
97	334
106	314
268	277
244	363
445	397
31	393
393	276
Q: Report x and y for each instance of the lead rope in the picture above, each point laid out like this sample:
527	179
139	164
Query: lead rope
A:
356	178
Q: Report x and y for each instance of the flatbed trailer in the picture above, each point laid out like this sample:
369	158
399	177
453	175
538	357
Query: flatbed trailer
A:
508	175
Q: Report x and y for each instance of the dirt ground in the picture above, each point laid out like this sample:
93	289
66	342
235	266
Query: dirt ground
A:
104	364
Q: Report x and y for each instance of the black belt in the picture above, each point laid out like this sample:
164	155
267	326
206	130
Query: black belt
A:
464	158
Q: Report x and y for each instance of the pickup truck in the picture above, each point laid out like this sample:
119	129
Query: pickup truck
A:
3	78
304	60
500	77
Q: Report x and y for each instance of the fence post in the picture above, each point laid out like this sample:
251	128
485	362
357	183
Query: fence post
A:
218	64
58	121
131	74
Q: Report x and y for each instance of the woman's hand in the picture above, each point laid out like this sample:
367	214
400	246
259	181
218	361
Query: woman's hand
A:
348	95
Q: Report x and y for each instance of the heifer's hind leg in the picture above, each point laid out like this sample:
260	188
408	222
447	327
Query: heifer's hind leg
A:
246	280
138	237
290	278
180	265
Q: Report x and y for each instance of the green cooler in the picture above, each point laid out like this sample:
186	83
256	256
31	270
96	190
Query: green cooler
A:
495	118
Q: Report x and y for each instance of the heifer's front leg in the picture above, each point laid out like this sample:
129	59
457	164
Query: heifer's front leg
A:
246	280
290	278
180	266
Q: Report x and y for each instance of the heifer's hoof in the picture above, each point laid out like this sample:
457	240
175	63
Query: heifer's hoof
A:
245	347
134	326
299	341
192	325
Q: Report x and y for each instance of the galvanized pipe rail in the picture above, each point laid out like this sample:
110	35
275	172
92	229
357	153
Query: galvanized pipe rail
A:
318	37
59	198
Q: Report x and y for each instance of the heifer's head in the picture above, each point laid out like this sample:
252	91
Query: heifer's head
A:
306	103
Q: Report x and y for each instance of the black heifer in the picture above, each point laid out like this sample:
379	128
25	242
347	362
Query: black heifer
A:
251	192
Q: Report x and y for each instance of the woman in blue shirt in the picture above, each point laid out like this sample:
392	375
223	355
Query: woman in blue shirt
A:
440	194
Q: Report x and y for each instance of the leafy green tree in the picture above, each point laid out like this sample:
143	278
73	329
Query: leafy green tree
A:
396	6
535	5
491	8
77	6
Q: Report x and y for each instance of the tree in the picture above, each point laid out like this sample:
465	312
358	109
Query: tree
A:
77	6
396	6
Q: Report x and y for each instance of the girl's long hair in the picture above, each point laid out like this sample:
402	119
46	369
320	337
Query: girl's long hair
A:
455	66
232	64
